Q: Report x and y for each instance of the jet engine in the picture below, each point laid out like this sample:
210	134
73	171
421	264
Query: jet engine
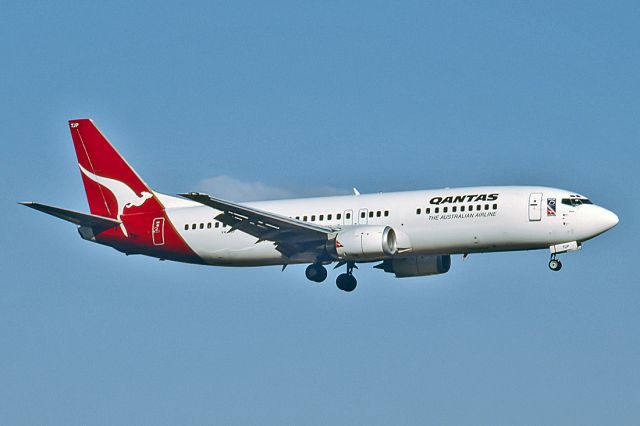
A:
416	266
363	242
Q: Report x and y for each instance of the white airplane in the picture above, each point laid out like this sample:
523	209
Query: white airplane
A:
411	233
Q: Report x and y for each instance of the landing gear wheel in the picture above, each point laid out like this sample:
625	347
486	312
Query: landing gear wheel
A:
555	265
316	272
346	282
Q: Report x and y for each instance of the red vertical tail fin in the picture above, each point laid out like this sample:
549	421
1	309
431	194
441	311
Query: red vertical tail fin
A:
113	188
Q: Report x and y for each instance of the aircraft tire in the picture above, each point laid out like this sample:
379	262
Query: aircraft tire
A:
346	282
555	265
316	273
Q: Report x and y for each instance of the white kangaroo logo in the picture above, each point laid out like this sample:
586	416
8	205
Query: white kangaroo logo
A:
125	196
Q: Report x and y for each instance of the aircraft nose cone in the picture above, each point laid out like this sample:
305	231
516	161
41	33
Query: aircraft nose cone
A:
609	219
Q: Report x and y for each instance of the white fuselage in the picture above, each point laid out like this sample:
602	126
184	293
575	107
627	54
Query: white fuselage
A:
429	222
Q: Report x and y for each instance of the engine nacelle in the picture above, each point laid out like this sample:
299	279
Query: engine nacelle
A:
416	266
364	242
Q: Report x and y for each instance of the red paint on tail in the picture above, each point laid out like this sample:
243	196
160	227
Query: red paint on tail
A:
116	191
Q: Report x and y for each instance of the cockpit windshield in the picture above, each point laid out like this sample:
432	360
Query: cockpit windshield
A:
575	201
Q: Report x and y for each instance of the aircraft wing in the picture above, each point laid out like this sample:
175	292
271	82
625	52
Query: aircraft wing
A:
80	219
290	235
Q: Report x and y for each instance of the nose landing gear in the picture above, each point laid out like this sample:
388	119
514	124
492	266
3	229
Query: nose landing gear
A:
347	282
556	249
555	264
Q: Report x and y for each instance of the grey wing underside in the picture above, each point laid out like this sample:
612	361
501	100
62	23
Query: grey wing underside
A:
290	236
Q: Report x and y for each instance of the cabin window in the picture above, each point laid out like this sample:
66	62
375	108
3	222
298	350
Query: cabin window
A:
427	210
313	218
363	215
186	227
348	216
386	213
297	217
209	225
495	207
193	226
454	209
217	224
486	206
478	207
461	208
371	214
418	211
338	216
202	226
321	217
304	218
446	209
437	210
329	216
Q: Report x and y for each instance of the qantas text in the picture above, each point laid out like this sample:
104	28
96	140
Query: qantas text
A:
464	198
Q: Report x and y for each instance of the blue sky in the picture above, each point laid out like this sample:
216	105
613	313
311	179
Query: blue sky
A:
250	100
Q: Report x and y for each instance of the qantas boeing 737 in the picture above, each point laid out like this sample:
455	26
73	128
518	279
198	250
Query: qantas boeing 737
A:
410	234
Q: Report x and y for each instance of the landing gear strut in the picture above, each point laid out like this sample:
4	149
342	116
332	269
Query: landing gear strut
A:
554	264
347	282
316	272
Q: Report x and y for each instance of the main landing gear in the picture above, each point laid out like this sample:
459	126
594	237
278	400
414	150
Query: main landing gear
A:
316	272
554	264
347	282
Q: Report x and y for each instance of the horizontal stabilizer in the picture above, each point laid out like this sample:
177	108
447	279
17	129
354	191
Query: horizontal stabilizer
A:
80	219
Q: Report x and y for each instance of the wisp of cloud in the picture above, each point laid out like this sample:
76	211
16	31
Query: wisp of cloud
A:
230	188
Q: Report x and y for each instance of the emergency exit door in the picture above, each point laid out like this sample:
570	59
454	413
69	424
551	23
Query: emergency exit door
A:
348	217
363	216
535	206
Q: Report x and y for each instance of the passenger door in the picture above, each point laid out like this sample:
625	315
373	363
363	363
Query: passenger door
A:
535	206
